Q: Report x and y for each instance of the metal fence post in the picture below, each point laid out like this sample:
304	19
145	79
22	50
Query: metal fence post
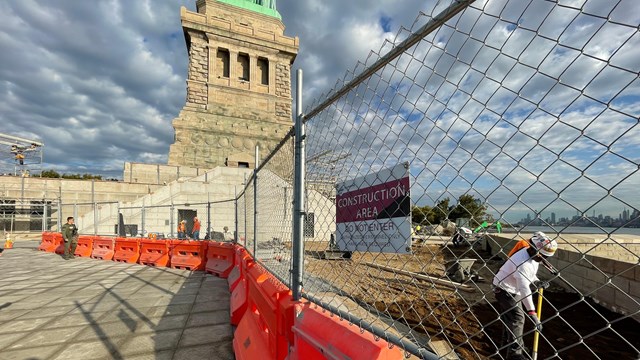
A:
235	205
171	220
298	196
117	219
244	194
95	208
95	219
75	212
255	203
45	222
59	213
209	214
142	214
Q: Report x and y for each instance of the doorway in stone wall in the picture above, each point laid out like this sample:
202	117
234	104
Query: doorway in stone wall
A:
188	215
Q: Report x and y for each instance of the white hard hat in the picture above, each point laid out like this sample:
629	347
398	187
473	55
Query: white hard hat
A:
465	230
544	244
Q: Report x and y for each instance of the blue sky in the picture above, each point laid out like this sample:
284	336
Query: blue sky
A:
529	107
99	83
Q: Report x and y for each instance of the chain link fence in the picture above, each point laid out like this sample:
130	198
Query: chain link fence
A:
27	215
506	118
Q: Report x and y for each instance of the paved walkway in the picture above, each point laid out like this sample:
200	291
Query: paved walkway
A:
92	309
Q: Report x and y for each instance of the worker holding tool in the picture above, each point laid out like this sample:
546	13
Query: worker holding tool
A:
512	288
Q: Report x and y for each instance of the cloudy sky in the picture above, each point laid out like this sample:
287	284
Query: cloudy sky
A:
100	81
530	106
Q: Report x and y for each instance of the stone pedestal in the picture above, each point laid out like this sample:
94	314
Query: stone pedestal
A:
238	86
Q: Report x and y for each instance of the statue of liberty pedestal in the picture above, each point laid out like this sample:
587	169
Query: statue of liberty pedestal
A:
238	84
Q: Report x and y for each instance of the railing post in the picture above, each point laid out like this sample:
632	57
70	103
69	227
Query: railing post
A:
171	220
209	214
117	219
298	196
59	213
244	195
95	208
142	213
235	205
45	222
75	213
255	204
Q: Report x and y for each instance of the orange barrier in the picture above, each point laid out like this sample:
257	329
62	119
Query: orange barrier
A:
50	241
154	252
318	335
102	248
239	265
60	244
264	332
220	258
85	246
238	300
188	254
127	250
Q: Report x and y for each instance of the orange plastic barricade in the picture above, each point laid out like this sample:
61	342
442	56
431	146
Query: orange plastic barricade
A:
50	241
47	243
319	336
220	258
127	250
238	301
102	248
239	265
263	332
188	254
154	252
85	246
59	241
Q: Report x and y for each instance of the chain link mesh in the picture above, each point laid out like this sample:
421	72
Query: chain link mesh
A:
514	117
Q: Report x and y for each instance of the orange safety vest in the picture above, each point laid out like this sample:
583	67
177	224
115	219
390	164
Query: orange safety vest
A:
522	244
181	227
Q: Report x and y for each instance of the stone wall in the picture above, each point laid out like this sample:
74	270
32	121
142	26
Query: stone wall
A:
198	70
239	85
160	210
604	274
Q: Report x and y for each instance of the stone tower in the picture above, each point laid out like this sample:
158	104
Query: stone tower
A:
238	84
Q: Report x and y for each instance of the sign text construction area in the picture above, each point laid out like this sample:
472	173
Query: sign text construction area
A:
373	212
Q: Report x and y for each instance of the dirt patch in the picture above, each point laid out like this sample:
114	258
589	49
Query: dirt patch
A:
468	321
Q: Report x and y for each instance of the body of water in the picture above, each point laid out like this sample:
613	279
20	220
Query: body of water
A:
573	230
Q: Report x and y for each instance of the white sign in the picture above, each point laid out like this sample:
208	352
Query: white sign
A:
373	212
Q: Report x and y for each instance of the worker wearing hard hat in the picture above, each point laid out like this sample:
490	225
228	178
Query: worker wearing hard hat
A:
512	288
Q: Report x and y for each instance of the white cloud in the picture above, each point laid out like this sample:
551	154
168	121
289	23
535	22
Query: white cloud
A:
519	119
101	81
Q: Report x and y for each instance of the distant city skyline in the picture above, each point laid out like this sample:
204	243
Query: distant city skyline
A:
626	217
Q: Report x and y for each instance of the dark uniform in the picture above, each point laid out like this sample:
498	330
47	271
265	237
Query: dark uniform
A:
70	236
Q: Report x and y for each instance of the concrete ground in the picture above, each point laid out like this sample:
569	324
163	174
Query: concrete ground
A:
92	309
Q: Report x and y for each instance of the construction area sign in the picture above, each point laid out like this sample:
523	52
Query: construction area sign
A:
373	212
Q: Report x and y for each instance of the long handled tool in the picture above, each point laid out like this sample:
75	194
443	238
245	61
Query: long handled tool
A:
536	334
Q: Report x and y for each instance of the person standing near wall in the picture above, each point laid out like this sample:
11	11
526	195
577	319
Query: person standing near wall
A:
182	229
196	229
70	236
512	289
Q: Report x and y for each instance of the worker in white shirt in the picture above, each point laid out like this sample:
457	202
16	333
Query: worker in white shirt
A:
512	288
